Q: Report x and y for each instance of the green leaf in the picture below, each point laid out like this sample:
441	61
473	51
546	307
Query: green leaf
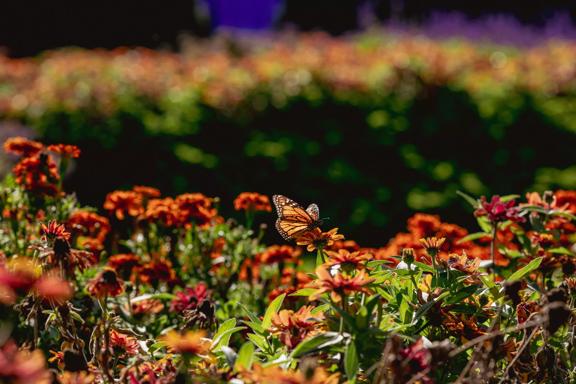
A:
259	341
245	356
469	199
484	224
317	343
351	360
461	294
473	236
424	267
228	324
272	310
403	309
224	338
304	292
506	198
534	264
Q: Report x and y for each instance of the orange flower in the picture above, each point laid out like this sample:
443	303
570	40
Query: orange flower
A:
147	192
18	277
461	263
156	271
147	307
315	239
275	375
432	244
195	207
38	174
53	289
124	264
124	342
191	342
339	285
252	201
163	211
86	223
106	283
293	327
65	150
22	146
124	203
279	253
348	260
22	366
55	231
349	245
566	200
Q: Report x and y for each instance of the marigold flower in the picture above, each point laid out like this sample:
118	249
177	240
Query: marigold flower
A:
90	224
339	285
189	298
38	174
55	231
22	366
124	203
252	201
275	375
65	150
106	283
123	342
195	208
462	263
147	192
279	253
498	211
293	327
22	146
164	211
316	239
190	342
348	260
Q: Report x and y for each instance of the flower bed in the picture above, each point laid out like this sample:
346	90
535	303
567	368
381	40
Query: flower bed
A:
164	289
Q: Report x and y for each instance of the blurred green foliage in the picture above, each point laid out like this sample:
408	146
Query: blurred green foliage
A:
369	128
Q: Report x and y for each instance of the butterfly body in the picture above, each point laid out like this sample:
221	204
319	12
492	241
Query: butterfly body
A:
293	220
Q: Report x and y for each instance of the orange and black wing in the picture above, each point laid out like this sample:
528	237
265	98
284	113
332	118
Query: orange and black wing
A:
293	220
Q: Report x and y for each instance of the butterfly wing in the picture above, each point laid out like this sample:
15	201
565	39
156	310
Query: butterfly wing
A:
313	211
293	220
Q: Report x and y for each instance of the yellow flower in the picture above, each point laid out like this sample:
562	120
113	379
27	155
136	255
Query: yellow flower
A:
191	342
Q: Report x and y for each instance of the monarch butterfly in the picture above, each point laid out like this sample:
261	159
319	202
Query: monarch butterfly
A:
293	220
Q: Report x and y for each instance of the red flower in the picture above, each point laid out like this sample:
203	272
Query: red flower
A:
65	150
124	203
196	208
22	146
54	231
279	253
148	192
156	271
124	342
163	211
498	211
90	224
38	174
252	201
106	283
189	298
53	289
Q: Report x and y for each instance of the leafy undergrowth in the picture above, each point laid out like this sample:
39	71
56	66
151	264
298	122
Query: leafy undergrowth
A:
163	289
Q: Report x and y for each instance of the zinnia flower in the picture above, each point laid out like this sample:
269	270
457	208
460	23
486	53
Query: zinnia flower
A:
273	374
147	192
65	150
191	342
279	253
106	283
348	260
53	289
498	211
22	146
124	203
124	264
339	285
38	174
293	327
189	298
123	342
162	211
252	201
55	231
316	239
195	208
90	224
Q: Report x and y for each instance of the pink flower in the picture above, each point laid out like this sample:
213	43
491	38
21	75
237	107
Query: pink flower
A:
498	211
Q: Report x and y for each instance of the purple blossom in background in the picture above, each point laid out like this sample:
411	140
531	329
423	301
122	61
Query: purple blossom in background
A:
499	28
244	14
